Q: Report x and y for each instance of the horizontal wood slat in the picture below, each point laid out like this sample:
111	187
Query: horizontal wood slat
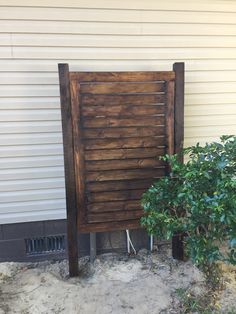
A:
124	132
124	143
123	164
122	76
138	100
111	175
103	154
114	216
118	185
120	88
115	196
109	226
122	110
114	206
122	122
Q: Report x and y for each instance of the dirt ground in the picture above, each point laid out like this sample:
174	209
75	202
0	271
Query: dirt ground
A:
114	283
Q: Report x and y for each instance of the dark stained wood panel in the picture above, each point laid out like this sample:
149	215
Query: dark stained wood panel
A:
124	132
111	226
114	206
116	125
122	110
170	118
179	109
122	76
123	153
124	164
115	216
121	88
101	186
122	122
132	142
71	204
116	100
78	150
111	175
121	195
178	239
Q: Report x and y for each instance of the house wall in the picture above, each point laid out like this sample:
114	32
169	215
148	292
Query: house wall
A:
102	35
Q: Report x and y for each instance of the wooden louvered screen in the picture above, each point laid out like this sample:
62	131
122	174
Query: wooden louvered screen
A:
115	126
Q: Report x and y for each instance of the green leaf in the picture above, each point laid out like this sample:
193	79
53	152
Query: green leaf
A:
199	198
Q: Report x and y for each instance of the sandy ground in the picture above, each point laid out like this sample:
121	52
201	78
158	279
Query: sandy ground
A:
116	284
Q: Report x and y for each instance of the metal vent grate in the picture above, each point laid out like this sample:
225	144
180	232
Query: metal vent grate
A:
44	245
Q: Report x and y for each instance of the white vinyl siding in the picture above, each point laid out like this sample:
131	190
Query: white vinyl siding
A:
101	35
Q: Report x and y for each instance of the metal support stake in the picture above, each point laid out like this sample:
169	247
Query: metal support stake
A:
129	243
93	247
151	242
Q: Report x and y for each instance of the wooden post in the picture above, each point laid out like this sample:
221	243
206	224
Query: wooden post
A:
69	169
178	247
179	107
177	240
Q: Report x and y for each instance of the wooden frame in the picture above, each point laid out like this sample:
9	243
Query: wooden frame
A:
71	85
72	236
177	241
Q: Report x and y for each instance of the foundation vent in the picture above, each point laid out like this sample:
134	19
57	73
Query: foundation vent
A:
43	245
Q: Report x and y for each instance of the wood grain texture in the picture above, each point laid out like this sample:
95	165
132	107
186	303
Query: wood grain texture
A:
124	132
78	152
120	88
170	118
115	216
179	107
122	110
122	76
101	186
123	164
116	100
69	168
110	226
104	154
114	206
124	142
121	195
122	122
177	240
124	174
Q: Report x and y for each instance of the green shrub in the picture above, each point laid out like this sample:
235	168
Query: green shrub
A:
198	199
